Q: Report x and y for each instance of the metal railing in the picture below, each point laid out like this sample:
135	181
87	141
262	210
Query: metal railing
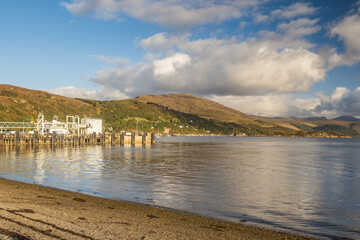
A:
17	125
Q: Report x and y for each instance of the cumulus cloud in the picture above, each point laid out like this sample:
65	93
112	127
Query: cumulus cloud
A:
170	65
294	10
167	13
217	66
348	31
341	102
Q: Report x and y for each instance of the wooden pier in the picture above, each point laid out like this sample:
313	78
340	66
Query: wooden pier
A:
19	138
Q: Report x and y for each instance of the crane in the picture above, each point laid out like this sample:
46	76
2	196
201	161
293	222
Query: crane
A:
33	120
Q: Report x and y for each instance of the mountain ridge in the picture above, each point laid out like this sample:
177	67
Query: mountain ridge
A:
346	118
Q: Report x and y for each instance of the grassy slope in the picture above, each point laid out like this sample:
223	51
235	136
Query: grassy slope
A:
132	114
202	107
19	104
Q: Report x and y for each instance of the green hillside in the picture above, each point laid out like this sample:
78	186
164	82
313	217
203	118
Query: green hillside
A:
134	115
337	129
19	104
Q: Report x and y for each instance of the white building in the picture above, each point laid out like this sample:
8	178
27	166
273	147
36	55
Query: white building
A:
91	125
55	126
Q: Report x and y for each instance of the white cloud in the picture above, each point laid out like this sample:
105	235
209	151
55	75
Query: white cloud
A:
294	10
299	27
170	65
341	102
112	60
167	13
347	30
217	66
162	42
259	18
74	92
273	105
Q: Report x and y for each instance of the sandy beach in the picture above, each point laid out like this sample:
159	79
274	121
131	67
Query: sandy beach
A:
35	212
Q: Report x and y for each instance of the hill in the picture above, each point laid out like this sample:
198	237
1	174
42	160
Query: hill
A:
19	104
337	128
202	107
167	114
346	119
137	115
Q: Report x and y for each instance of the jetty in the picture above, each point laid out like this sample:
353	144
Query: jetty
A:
75	131
18	138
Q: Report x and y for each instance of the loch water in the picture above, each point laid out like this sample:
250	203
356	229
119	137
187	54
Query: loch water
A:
302	185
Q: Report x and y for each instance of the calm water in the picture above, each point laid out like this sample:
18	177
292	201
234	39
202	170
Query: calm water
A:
293	184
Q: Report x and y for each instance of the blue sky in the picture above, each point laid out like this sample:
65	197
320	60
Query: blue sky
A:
269	58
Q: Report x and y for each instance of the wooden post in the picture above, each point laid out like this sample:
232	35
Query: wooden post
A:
53	138
152	138
132	138
101	138
143	138
17	138
112	139
76	140
36	137
122	138
94	139
1	139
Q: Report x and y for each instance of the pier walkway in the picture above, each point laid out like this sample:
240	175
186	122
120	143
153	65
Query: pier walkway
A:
18	138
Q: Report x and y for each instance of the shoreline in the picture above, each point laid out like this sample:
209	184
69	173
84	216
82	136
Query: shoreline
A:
29	211
276	136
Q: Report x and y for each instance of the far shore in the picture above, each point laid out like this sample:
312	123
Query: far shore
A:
30	211
293	136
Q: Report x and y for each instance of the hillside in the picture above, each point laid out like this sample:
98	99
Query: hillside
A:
19	104
137	115
337	128
202	107
317	124
168	114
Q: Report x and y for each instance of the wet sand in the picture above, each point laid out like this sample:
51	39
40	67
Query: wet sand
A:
35	212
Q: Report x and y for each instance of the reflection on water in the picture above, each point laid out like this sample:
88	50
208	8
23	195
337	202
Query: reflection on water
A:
297	184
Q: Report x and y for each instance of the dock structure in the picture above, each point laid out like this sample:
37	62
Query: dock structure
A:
17	138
